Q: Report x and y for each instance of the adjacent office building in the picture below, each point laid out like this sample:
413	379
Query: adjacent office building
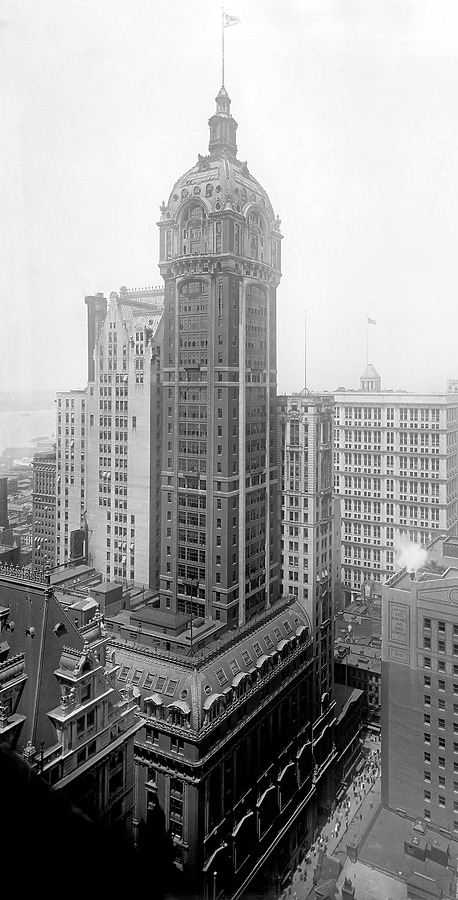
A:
123	426
396	471
420	689
307	547
71	456
44	510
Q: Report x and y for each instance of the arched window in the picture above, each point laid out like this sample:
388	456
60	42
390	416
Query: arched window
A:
256	229
193	230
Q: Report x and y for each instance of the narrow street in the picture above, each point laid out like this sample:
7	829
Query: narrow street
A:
346	823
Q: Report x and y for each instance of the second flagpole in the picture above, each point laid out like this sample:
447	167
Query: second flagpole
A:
222	43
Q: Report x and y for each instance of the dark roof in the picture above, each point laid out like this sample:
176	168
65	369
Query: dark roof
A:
29	609
160	617
105	586
197	678
70	574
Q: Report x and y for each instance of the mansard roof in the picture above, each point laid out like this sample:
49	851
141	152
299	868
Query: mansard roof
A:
200	680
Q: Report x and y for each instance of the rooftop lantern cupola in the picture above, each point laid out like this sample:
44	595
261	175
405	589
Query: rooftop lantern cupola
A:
223	127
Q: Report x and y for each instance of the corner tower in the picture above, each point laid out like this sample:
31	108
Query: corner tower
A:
220	260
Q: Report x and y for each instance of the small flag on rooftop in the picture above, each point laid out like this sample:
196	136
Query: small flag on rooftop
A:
230	20
371	321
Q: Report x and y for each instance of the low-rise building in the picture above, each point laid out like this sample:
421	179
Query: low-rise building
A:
359	666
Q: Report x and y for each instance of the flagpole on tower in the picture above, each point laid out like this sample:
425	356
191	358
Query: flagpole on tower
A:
305	351
222	42
367	341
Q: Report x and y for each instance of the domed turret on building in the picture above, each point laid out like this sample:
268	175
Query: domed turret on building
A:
220	260
370	379
217	185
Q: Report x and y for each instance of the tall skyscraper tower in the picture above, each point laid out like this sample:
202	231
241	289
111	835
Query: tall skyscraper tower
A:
307	518
220	260
123	434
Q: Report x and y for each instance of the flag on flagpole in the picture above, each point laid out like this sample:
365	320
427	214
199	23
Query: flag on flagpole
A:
371	321
230	20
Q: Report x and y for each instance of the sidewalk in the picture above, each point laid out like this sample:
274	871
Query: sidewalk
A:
345	825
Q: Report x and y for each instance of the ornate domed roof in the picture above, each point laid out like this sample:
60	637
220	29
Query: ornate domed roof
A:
220	181
370	372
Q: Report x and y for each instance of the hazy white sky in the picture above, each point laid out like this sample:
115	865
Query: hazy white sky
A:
347	115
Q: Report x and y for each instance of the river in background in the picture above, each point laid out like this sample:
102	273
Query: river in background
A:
23	429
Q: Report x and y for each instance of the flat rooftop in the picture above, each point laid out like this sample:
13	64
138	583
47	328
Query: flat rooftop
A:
71	574
371	884
383	847
160	618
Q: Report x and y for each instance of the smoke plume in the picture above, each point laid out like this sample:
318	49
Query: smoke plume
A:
409	554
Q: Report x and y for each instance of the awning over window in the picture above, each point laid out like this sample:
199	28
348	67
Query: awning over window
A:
239	825
284	771
303	748
214	856
264	795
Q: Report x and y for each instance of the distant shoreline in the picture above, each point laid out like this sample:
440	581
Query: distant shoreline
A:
26	401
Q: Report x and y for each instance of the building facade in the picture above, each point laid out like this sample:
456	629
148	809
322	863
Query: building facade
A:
44	510
396	472
58	706
71	456
220	260
233	755
307	521
124	403
420	689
